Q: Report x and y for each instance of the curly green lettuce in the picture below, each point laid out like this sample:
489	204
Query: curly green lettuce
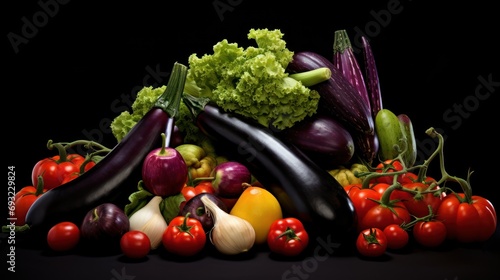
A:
146	98
253	82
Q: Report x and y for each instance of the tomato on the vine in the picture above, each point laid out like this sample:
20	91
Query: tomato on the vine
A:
363	199
287	237
387	166
54	169
429	233
388	211
371	242
135	244
395	194
397	237
417	204
467	218
184	236
63	236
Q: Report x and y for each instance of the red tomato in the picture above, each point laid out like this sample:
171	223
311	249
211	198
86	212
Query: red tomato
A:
467	221
287	237
387	166
383	215
135	244
418	204
53	170
184	236
362	199
371	242
203	187
397	237
407	178
395	194
189	192
429	233
74	175
24	199
63	236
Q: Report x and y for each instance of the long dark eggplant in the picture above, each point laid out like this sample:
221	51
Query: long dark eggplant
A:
303	189
71	201
322	138
338	97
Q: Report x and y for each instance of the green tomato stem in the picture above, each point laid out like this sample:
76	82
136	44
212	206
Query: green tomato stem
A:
465	185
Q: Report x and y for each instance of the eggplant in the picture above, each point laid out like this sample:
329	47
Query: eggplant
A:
373	84
341	100
345	60
338	97
304	189
322	138
100	184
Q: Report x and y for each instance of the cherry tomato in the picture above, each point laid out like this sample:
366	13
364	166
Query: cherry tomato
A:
362	199
397	237
429	233
371	242
395	194
387	166
388	211
135	244
189	192
184	236
287	237
418	204
63	236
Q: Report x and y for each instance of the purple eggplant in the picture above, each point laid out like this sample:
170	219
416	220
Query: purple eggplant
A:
338	97
373	84
322	138
345	60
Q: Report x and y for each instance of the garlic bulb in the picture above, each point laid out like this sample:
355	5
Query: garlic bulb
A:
231	234
149	220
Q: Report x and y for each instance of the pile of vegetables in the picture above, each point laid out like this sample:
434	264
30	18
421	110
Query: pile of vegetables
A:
249	147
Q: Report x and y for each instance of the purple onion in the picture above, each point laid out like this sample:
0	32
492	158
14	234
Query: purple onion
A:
229	177
164	172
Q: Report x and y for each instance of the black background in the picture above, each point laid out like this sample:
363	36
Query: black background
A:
85	59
